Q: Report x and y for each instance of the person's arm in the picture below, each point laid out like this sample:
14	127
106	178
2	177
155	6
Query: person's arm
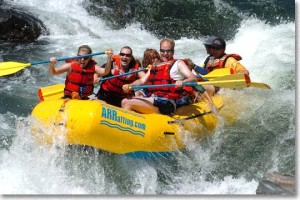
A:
213	107
186	72
207	97
193	67
200	70
143	77
200	90
236	66
108	66
141	81
96	78
58	70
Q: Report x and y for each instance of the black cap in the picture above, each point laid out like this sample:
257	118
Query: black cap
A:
210	40
218	43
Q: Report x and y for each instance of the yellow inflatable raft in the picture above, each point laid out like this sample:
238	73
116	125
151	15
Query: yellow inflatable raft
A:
97	124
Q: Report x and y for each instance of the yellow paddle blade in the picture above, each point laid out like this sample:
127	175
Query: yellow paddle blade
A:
51	92
7	68
229	81
218	73
260	85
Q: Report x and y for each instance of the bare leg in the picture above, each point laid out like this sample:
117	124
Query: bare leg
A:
210	89
139	93
205	96
213	107
141	105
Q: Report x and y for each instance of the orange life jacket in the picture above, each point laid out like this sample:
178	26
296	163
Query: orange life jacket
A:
80	80
160	74
219	63
114	85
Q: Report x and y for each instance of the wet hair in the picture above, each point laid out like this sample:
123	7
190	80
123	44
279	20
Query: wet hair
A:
127	47
149	54
169	40
85	48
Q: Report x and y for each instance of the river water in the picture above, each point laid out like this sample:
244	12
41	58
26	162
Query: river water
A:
231	162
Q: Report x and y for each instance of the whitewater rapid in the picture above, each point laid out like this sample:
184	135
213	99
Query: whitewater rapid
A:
230	163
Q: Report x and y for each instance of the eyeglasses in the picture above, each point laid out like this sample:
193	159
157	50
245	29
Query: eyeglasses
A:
166	50
126	54
84	58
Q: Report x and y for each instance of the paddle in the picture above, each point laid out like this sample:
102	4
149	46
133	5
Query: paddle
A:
227	71
11	67
125	74
51	92
260	85
57	91
229	81
217	73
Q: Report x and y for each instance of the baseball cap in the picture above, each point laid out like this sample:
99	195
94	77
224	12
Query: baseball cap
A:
209	41
218	43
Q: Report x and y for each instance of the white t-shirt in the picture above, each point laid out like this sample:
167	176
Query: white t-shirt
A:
174	72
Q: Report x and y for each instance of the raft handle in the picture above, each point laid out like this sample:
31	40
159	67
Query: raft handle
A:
59	124
187	118
169	133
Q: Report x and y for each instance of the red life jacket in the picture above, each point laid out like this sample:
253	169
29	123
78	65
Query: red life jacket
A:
114	85
80	79
71	60
160	74
219	63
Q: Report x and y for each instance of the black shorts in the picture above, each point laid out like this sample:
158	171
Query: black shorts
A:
165	106
110	98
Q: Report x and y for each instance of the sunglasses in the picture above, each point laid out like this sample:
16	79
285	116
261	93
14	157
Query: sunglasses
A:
126	54
84	58
166	50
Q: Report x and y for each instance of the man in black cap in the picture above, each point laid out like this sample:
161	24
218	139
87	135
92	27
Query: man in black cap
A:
208	44
217	59
218	43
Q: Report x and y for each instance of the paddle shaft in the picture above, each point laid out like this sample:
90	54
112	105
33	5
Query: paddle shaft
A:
11	67
68	58
223	84
214	74
229	81
166	85
125	74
